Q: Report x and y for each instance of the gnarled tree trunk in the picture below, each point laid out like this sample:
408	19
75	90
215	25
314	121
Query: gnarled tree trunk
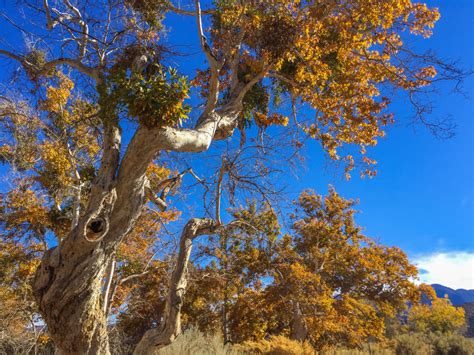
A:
68	282
68	290
170	326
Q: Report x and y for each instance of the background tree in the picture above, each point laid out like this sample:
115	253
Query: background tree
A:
325	282
331	57
236	262
339	284
18	311
438	317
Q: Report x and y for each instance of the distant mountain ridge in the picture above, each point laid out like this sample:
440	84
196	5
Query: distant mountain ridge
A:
457	297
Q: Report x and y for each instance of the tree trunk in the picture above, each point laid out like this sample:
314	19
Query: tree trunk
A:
225	325
67	288
298	328
68	282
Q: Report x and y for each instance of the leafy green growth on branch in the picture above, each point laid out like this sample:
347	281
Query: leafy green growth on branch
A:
152	94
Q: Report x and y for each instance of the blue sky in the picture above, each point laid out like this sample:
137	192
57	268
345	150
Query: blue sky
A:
422	199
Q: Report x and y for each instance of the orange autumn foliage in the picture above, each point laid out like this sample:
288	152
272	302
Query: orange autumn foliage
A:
338	284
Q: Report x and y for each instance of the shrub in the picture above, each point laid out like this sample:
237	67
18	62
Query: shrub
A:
193	342
23	344
276	345
367	349
412	344
434	343
119	344
453	344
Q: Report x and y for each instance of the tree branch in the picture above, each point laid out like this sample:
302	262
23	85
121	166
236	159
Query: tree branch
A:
49	20
162	205
11	56
165	186
74	63
180	11
146	143
170	326
219	190
84	26
213	64
110	276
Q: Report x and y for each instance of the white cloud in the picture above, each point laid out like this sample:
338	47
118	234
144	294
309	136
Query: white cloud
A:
451	269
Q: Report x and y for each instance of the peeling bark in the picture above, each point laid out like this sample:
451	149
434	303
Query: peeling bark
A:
68	282
67	287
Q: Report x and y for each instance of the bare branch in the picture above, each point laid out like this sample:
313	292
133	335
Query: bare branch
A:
162	205
219	190
84	26
74	63
284	79
134	276
49	20
202	182
181	11
203	40
213	64
110	277
241	93
11	55
234	68
165	186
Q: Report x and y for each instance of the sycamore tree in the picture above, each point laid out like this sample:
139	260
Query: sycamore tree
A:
98	98
438	317
339	285
53	155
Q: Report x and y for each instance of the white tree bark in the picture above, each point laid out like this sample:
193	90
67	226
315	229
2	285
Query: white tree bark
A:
170	326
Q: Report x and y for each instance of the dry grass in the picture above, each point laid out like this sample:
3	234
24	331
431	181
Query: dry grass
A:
276	345
193	342
373	350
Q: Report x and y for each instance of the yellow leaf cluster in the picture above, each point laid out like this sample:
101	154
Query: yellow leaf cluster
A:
57	97
25	206
56	161
335	58
273	119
